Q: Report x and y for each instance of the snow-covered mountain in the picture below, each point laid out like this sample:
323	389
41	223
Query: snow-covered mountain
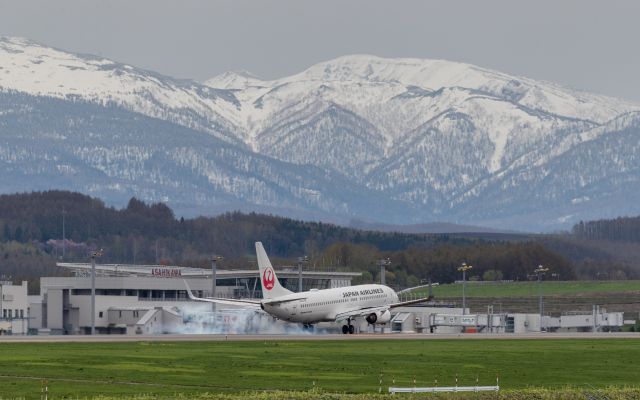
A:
32	68
385	140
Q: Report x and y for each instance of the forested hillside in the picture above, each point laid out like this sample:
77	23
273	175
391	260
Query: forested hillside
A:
150	233
624	229
31	241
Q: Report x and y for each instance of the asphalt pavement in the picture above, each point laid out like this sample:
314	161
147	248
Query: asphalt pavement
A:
284	337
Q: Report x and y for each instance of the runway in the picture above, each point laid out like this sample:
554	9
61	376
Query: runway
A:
322	337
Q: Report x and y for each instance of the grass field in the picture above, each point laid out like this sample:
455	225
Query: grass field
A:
526	289
524	394
196	368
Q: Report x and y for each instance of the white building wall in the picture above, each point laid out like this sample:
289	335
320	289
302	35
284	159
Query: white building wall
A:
14	301
35	312
55	310
104	303
524	323
14	308
611	319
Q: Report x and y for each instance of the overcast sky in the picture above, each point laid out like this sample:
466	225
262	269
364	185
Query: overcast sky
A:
586	44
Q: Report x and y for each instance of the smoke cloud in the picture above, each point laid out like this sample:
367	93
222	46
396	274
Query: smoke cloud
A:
199	319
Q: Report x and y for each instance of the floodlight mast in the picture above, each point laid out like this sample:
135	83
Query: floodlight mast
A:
94	255
464	268
214	277
301	260
383	263
64	238
540	272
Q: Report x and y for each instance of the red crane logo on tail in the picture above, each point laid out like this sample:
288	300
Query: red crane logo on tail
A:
268	279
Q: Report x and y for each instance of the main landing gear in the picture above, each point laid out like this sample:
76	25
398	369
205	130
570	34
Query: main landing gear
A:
348	328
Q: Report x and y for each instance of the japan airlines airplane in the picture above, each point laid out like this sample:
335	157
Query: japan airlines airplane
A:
373	302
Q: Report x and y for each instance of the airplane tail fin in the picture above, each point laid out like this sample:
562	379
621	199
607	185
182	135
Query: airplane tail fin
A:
271	287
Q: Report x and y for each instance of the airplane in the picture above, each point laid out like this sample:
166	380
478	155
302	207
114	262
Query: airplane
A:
373	302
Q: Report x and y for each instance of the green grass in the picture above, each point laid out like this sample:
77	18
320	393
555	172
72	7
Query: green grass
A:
533	394
190	368
524	289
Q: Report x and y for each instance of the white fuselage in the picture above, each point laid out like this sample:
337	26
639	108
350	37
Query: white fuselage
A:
323	305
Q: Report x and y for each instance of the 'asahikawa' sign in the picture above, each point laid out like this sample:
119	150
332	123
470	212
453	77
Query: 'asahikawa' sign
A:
166	272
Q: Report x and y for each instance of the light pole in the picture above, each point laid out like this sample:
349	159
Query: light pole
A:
540	272
64	239
383	263
214	277
94	255
301	260
464	268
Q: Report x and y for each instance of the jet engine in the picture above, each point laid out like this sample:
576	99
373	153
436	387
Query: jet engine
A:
379	317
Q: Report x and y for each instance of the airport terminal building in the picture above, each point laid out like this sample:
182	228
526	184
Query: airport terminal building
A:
134	299
152	299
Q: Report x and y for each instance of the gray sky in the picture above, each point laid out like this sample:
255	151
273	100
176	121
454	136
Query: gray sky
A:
586	44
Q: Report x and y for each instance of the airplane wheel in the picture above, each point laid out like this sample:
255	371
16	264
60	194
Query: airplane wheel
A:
345	329
351	329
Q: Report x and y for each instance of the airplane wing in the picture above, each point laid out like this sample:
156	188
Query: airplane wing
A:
417	287
273	302
249	304
409	302
364	311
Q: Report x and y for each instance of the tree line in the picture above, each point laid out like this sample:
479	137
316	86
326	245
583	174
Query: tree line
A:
31	234
625	229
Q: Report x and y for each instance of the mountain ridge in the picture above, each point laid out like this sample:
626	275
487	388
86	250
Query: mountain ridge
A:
395	141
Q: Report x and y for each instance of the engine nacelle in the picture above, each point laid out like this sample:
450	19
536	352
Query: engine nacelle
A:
379	317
